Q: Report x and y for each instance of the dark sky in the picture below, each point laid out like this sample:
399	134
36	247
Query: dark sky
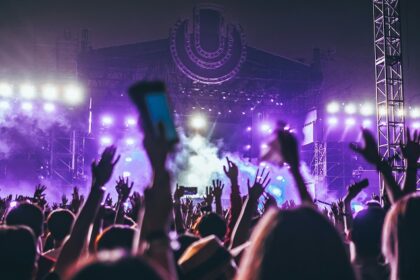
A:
290	28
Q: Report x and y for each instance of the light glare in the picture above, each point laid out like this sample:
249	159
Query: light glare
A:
350	122
27	91
333	107
350	109
49	92
6	90
73	94
49	107
367	110
198	122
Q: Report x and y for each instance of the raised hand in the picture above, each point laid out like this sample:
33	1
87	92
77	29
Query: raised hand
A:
411	151
269	202
208	197
123	188
76	200
289	148
108	200
64	201
355	189
370	150
259	185
217	189
179	192
39	191
231	171
102	171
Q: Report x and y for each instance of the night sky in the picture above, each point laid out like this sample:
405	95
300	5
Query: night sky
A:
289	28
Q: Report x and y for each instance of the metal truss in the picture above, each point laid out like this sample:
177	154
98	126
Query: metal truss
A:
319	165
389	83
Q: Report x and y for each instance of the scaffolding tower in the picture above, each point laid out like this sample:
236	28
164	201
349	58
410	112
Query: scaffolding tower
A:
389	83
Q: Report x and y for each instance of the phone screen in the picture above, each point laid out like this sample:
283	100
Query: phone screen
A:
159	112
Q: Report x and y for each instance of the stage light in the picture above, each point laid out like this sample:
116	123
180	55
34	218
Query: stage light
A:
247	147
332	121
350	109
367	123
333	108
280	178
128	159
130	121
49	92
415	113
73	94
264	146
350	121
266	128
27	91
26	106
400	112
106	140
357	207
126	174
107	120
49	107
276	192
198	122
248	129
4	105
416	125
6	90
382	111
130	141
367	110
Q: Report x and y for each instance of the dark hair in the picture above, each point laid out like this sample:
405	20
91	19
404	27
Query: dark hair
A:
26	214
366	231
121	268
400	240
59	223
296	244
184	240
17	252
115	237
212	223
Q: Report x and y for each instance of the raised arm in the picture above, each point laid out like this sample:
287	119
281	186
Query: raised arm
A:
123	189
72	249
242	228
179	221
290	153
411	152
232	172
217	193
371	155
352	191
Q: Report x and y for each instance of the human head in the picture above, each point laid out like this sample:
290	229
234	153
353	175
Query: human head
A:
184	240
59	223
400	239
212	223
115	267
295	244
26	214
115	237
367	230
17	253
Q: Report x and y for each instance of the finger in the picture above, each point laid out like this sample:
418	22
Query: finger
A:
256	176
116	161
268	174
249	185
262	173
408	134
225	170
355	148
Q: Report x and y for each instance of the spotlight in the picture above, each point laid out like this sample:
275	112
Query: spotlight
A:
264	146
248	129
49	92
4	105
27	91
400	112
333	108
198	122
350	109
106	140
350	122
130	121
367	109
415	113
6	90
280	178
247	147
49	107
128	159
382	111
107	120
266	128
126	174
416	125
367	123
73	94
332	121
130	141
26	106
276	192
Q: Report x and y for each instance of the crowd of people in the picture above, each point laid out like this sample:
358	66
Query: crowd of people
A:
164	234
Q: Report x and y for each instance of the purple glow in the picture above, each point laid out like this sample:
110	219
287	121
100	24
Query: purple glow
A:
130	121
333	107
27	106
106	140
130	141
248	129
266	128
107	120
128	159
4	105
49	92
49	107
332	121
350	109
416	125
247	147
126	174
350	121
367	123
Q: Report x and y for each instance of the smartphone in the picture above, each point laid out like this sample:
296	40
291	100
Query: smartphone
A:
189	190
152	101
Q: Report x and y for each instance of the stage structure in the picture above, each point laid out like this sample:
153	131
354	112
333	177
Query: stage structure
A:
389	83
209	69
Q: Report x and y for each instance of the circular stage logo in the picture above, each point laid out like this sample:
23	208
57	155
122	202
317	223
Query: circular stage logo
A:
207	50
